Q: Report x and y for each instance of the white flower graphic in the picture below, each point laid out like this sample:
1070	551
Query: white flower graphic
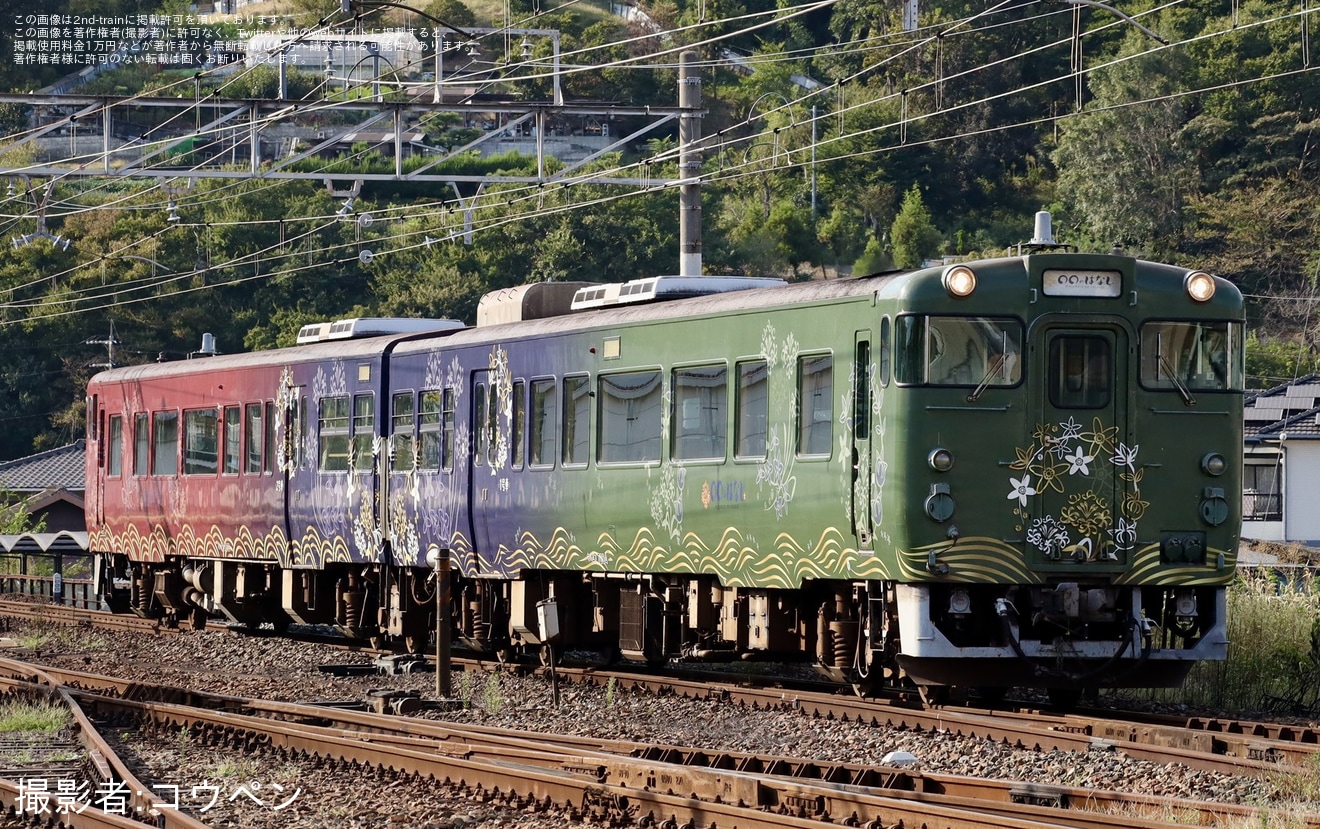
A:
1123	456
1022	489
1070	428
1078	461
1125	534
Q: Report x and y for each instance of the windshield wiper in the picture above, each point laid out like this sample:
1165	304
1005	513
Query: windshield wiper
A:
1183	391
996	365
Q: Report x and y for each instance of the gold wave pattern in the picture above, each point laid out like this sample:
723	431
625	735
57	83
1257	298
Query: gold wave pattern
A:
974	559
1147	569
153	547
737	561
311	550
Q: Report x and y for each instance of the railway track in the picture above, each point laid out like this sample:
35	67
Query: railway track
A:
1211	744
611	780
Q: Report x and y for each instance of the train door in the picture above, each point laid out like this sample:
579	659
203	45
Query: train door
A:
863	394
1076	483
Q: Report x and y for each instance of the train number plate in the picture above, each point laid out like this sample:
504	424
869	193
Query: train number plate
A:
1083	283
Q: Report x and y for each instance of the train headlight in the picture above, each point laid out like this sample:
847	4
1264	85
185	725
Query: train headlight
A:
959	281
941	460
1200	286
1214	464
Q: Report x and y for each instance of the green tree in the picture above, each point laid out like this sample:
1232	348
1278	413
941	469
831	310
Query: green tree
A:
1126	169
915	237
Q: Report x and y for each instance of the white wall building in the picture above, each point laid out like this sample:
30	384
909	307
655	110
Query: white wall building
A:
1281	463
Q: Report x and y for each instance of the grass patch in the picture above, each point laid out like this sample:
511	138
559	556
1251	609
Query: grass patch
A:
33	716
1273	660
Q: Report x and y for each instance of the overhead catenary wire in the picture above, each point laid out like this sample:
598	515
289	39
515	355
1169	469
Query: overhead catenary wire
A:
732	174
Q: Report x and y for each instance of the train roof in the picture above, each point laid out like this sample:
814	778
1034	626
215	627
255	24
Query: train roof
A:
310	353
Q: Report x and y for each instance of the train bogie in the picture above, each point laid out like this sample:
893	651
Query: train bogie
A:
1003	472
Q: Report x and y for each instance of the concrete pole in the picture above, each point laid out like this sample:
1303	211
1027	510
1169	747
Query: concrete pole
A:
689	165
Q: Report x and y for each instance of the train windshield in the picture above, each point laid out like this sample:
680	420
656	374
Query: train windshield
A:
1198	356
958	351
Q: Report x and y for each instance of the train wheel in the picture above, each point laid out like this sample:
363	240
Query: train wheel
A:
414	643
864	687
197	619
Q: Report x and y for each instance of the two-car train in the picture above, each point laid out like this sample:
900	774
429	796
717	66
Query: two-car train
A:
1013	472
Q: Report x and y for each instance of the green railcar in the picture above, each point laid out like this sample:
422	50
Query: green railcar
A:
1012	472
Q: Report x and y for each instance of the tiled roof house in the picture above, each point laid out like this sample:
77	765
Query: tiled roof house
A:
1281	463
52	483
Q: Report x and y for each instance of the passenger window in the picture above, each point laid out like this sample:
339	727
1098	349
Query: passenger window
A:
429	453
233	440
700	412
1199	355
334	434
753	410
479	426
165	447
577	420
862	389
253	432
448	404
364	432
115	439
631	406
401	433
1081	372
200	442
815	404
268	455
543	423
519	447
141	444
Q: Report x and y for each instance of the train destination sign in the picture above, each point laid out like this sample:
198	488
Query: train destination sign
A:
1083	283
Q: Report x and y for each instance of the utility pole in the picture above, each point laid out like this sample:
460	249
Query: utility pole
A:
109	342
689	165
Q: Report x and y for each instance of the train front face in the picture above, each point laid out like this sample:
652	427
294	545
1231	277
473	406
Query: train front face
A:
1078	465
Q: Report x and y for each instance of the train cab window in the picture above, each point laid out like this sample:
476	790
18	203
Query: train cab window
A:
401	432
815	404
233	439
429	435
886	335
518	447
1198	356
958	351
141	444
333	430
577	420
542	433
253	433
752	410
1081	372
631	410
201	433
701	403
165	443
115	440
364	431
